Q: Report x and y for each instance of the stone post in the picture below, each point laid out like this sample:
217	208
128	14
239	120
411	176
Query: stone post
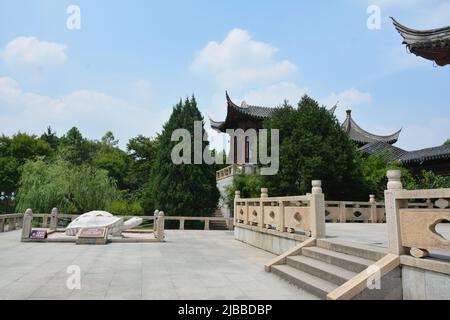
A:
237	196
12	224
373	209
392	212
264	195
155	219
2	224
160	226
206	224
27	224
281	221
342	212
430	204
54	219
317	205
181	224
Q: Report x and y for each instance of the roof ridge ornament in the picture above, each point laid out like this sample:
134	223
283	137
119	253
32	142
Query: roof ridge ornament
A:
244	104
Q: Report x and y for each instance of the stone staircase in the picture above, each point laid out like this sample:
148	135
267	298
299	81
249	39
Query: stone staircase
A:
326	266
218	225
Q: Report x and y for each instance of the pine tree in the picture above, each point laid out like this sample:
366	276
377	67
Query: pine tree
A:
185	189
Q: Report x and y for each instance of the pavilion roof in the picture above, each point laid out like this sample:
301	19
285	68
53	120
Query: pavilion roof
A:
389	151
433	44
361	136
441	152
245	111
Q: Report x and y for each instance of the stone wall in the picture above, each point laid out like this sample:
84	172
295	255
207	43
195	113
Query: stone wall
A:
269	240
421	284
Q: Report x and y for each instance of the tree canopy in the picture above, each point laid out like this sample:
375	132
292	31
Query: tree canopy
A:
313	146
184	189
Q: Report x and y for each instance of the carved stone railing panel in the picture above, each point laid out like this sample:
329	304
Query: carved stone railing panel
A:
298	218
418	230
412	217
241	213
271	216
254	214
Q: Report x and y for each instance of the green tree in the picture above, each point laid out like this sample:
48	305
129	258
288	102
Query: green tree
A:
142	151
14	152
75	149
51	138
72	189
314	146
109	157
374	169
428	180
185	189
446	143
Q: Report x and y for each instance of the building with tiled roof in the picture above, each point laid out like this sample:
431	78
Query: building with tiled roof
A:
432	44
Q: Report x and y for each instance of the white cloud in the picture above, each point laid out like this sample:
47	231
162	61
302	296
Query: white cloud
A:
93	112
239	61
30	52
274	95
348	99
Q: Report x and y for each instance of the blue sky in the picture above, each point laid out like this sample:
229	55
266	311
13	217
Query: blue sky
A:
132	61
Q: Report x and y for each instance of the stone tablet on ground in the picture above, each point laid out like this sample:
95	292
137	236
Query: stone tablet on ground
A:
94	235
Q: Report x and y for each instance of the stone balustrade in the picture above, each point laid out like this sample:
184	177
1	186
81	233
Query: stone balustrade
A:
284	214
229	171
10	222
414	228
355	211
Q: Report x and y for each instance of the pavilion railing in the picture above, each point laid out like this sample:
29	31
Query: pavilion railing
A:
284	214
415	228
10	222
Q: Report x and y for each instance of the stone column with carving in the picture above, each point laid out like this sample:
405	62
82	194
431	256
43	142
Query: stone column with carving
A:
160	226
392	211
317	205
27	224
373	209
264	195
54	219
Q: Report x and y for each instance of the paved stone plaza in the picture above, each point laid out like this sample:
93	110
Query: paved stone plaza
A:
190	265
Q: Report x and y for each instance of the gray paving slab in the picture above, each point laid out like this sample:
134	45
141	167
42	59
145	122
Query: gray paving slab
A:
190	265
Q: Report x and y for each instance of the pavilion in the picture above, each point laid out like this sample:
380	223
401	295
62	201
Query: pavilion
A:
245	117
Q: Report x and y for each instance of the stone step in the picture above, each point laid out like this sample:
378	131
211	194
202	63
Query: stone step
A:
353	249
323	270
351	263
304	280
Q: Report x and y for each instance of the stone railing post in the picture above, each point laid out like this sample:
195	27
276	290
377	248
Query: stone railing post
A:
54	219
27	224
373	209
264	195
392	211
317	205
237	196
206	224
12	224
182	224
160	226
281	221
155	220
2	224
342	213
